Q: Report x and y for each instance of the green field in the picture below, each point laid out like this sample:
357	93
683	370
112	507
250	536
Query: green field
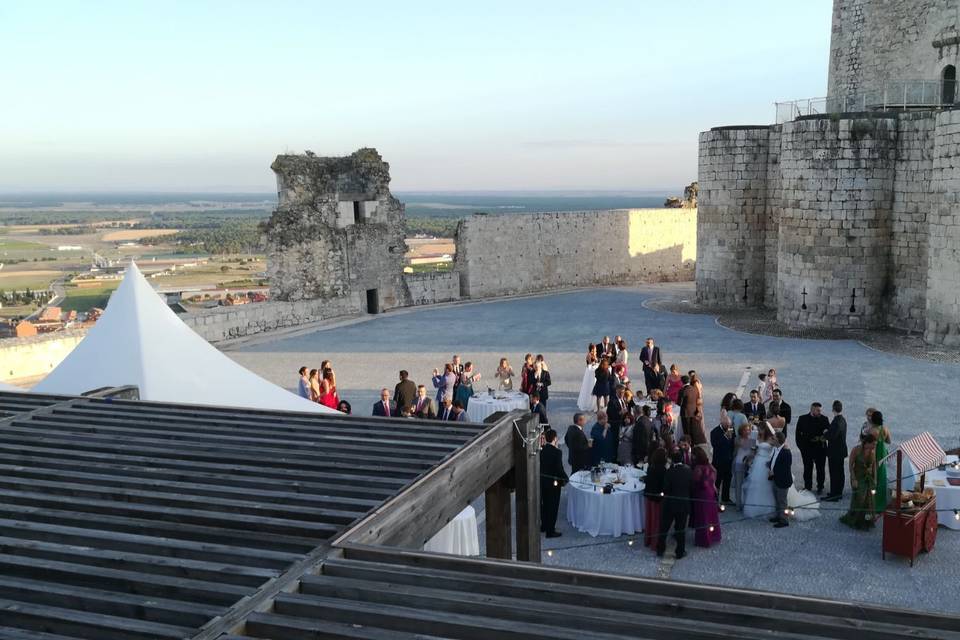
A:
84	299
7	244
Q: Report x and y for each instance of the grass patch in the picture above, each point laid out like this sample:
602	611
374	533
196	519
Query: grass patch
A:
8	244
431	267
84	299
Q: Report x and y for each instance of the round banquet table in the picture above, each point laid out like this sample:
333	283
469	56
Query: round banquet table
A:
948	496
459	537
605	514
483	404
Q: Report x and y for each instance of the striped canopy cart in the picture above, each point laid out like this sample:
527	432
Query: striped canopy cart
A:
910	519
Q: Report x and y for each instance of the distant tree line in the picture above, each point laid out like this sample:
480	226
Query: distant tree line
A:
439	227
240	236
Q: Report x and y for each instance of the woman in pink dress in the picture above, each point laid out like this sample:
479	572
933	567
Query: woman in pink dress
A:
705	515
674	384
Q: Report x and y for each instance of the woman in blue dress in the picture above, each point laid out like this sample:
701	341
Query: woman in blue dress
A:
464	390
604	448
444	383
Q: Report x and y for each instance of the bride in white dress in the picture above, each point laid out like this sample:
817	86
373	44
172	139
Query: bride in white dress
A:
757	489
586	401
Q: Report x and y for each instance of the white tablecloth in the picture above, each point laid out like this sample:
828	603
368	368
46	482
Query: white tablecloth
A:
605	514
586	400
459	537
948	496
482	405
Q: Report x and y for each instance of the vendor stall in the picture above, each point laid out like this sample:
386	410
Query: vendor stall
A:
910	519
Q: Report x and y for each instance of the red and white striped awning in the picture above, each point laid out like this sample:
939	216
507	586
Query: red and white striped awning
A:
924	452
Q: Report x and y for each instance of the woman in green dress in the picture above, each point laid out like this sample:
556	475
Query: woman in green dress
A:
863	482
882	436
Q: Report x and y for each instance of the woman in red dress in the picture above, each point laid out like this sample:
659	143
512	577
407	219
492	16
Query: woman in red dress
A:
328	389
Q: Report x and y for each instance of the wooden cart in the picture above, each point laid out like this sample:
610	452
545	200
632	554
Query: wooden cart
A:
908	532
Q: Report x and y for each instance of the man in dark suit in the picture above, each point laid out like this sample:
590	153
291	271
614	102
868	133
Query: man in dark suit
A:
385	408
607	348
836	452
722	442
578	445
552	479
458	413
691	411
405	393
423	406
540	382
754	409
446	409
677	485
652	366
786	411
811	438
782	478
617	411
536	407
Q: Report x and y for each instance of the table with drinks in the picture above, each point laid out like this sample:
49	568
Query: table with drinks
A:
606	500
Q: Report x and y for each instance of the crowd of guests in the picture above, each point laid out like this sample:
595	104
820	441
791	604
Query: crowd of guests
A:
745	462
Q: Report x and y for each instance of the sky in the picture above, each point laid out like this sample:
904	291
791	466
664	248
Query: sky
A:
202	95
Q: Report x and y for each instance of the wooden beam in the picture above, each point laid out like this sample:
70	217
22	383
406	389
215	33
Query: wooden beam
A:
498	525
526	461
417	513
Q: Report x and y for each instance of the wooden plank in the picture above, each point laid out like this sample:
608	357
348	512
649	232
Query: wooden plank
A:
527	477
139	562
268	625
430	623
85	625
253	540
9	485
628	585
112	603
149	544
498	519
422	509
316	530
69	458
65	573
522	609
751	614
133	482
9	633
317	459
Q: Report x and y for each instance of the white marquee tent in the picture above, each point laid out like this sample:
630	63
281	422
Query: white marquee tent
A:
140	341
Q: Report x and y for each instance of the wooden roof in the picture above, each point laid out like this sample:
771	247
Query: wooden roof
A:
135	520
128	519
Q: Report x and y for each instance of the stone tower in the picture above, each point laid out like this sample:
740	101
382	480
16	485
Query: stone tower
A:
337	231
849	217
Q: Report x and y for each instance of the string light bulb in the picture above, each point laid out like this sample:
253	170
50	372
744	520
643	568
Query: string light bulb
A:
723	508
873	492
550	553
956	514
629	543
710	529
556	484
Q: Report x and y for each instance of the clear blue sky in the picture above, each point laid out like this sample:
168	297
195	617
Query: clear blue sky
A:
201	95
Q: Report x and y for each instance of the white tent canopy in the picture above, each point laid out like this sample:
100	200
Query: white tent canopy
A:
9	387
140	341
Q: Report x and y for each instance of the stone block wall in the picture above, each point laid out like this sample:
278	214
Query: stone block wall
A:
732	226
515	254
432	288
912	201
223	323
837	190
29	359
942	317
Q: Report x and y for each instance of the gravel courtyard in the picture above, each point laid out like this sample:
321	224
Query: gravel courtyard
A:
820	557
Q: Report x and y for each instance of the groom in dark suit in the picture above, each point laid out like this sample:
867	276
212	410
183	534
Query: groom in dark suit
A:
782	478
652	366
552	478
836	452
677	487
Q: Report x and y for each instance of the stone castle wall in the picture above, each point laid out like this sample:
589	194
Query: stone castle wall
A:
866	205
29	359
433	288
880	41
515	254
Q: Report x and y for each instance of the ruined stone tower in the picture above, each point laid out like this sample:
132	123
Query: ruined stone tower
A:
848	216
337	231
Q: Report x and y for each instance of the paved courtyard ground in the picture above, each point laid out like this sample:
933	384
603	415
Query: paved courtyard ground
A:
820	557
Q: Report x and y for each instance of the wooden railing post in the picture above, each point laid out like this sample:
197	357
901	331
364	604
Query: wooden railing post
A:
498	525
526	461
